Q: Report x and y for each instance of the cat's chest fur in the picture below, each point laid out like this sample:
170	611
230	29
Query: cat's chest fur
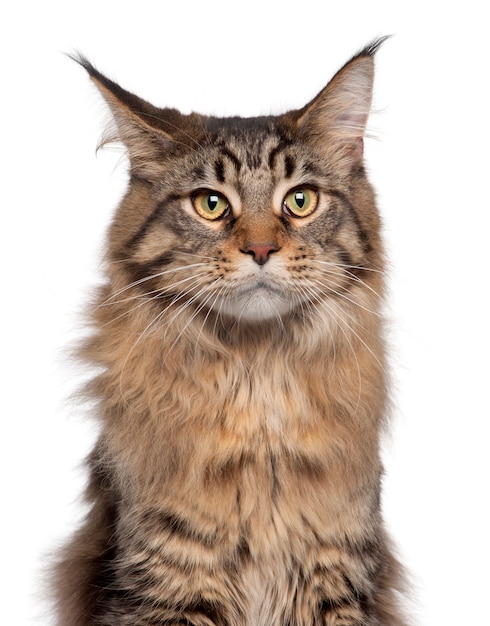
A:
252	450
269	411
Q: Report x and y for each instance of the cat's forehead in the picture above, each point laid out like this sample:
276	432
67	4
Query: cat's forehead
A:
250	142
250	145
244	127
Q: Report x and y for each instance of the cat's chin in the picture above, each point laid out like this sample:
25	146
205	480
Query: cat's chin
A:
255	306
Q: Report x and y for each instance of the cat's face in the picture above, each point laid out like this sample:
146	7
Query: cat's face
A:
251	226
250	219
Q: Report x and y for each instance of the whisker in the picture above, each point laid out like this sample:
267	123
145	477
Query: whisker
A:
340	323
158	294
350	275
185	305
133	348
155	320
346	266
329	287
161	290
219	314
341	317
364	284
199	256
217	295
140	281
194	314
304	302
313	305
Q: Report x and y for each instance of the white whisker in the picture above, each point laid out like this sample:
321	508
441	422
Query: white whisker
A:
160	290
198	256
167	324
199	308
336	268
140	281
340	323
346	266
158	295
330	287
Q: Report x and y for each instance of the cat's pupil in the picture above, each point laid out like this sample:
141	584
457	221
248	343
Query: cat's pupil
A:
213	201
299	198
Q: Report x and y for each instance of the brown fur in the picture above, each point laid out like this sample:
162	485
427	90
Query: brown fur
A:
236	481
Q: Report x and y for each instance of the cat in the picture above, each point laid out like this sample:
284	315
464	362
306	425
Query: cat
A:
242	385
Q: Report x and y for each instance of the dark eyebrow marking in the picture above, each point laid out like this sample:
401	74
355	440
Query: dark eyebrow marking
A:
281	146
198	172
290	165
219	170
233	158
254	160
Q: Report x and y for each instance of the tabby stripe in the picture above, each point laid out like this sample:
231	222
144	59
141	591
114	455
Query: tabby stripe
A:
355	598
182	528
345	259
254	161
208	608
281	146
355	218
329	606
219	170
144	270
289	165
233	157
198	173
141	233
166	613
346	611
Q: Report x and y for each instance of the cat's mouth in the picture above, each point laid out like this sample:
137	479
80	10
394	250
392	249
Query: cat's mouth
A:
260	286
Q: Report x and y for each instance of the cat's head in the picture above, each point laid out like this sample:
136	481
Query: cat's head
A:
250	219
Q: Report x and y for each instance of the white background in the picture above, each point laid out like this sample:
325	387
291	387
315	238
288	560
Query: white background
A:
431	170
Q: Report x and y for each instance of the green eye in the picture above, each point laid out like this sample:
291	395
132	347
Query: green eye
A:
210	204
301	202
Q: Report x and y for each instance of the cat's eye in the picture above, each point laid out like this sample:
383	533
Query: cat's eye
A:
300	202
210	204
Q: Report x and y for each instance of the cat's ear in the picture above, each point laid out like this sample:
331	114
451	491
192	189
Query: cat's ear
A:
335	121
149	134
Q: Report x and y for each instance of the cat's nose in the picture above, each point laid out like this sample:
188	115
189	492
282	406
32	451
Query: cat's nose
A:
260	251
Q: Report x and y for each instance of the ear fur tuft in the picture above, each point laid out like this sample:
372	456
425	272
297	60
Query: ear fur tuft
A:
149	133
335	121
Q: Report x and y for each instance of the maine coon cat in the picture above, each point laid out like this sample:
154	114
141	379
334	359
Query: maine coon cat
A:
242	382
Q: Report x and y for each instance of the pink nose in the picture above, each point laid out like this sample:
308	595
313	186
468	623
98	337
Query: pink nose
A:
260	251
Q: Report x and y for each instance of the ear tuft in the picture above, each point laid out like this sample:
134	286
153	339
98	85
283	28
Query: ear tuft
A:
335	121
148	133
